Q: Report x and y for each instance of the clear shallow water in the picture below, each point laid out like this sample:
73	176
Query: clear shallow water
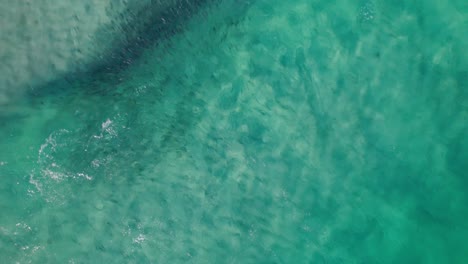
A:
266	132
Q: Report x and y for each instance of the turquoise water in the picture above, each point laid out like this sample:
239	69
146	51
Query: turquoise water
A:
264	132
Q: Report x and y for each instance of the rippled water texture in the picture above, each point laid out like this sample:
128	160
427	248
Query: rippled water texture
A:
263	132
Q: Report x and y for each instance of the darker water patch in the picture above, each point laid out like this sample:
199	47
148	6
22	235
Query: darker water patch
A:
143	30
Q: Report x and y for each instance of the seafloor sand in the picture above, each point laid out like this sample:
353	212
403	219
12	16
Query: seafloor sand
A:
268	132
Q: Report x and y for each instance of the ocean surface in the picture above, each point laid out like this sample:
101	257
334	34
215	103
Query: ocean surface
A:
260	131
